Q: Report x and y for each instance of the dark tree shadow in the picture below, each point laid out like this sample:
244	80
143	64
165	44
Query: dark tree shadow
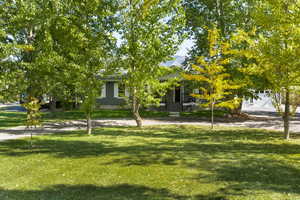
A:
11	119
253	175
91	192
157	145
191	132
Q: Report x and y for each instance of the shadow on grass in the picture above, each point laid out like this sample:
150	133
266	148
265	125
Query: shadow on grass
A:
90	192
12	119
255	175
153	145
247	160
189	132
93	192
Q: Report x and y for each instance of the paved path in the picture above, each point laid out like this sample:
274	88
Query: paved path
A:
270	123
264	120
12	107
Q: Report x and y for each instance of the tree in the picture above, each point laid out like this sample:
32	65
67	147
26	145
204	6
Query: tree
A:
60	46
150	32
84	38
275	47
33	115
211	71
228	16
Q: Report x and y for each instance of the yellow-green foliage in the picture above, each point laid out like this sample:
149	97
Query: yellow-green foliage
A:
211	71
274	46
33	112
275	43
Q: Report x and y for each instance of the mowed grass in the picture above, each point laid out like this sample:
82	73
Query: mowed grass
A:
205	113
13	119
155	163
100	114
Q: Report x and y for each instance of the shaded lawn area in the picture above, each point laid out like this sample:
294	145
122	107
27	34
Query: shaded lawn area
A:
12	119
159	163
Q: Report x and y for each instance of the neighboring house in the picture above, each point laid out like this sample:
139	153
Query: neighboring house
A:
263	102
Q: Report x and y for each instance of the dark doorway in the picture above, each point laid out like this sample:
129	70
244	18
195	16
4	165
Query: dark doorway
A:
177	95
173	100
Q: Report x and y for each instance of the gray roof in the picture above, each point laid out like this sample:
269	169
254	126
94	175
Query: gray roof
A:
177	61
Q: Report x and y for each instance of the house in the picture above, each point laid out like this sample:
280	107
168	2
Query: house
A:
114	94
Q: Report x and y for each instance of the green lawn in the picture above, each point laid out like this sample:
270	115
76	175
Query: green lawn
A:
12	119
159	163
100	114
204	113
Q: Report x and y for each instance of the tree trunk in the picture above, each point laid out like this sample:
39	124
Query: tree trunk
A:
52	104
286	116
135	111
77	104
238	110
89	124
212	115
138	119
220	14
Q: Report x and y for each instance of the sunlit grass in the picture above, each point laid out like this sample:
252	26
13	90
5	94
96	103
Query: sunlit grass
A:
13	119
166	162
100	114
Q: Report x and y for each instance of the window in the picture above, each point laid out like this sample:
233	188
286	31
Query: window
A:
251	100
188	90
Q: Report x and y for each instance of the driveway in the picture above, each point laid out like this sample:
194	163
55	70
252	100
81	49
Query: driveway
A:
267	122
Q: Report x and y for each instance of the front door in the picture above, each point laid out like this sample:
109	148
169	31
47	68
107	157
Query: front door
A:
177	95
174	100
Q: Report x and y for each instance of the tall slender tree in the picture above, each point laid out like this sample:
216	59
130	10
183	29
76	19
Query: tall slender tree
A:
151	32
211	70
228	16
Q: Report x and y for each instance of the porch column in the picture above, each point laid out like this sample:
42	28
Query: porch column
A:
103	90
116	89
